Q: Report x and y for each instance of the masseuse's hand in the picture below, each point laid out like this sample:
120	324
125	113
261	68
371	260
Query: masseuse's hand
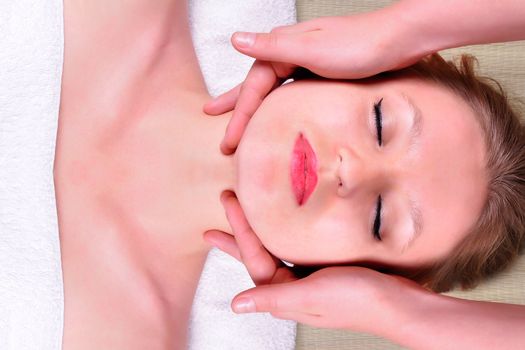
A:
262	267
349	47
353	298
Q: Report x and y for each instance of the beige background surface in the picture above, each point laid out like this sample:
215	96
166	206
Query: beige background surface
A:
504	62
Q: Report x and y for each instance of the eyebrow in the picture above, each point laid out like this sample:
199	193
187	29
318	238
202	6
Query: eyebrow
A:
417	223
417	123
414	134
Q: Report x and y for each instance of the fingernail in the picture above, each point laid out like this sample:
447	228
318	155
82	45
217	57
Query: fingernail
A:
244	305
244	39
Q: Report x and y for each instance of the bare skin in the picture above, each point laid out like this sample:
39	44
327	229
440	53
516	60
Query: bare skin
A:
135	156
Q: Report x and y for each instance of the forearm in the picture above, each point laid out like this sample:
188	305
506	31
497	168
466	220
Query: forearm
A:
439	24
434	321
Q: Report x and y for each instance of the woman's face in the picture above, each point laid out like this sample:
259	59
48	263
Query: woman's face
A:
428	172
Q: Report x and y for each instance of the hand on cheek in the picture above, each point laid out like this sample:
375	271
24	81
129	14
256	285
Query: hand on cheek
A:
347	297
246	247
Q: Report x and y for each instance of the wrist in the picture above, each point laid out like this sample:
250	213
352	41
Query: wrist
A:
413	29
399	41
411	316
440	24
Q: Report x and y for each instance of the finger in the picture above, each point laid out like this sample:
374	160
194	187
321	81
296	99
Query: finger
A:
260	264
226	101
224	242
261	79
275	298
290	47
223	103
283	275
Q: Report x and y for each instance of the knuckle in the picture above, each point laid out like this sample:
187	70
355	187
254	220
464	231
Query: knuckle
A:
273	305
252	92
273	40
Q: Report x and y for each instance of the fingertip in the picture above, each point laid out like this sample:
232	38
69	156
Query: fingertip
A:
226	195
226	149
206	236
210	238
243	40
243	305
208	107
210	110
211	243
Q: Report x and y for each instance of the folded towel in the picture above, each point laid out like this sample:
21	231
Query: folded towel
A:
213	325
31	287
31	291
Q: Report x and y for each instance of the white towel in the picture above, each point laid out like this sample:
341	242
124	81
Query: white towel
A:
31	291
31	288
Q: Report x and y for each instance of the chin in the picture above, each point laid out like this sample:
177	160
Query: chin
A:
255	181
259	187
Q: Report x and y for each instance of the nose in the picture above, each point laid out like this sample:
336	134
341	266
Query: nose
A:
356	172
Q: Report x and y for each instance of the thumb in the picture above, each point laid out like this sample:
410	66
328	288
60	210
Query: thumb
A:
274	298
284	301
274	46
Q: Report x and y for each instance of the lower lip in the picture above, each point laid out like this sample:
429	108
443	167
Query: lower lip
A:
303	170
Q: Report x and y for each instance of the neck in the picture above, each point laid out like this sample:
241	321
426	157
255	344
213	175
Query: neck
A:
138	169
150	73
210	172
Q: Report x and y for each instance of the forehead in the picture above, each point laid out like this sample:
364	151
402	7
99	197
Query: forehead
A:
447	173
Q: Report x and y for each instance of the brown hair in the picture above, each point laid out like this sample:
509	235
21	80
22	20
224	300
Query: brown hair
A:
498	236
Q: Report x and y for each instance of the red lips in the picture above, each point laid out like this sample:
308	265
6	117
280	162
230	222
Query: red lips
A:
303	169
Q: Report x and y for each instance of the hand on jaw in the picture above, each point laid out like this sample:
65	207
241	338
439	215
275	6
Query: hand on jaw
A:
346	297
346	47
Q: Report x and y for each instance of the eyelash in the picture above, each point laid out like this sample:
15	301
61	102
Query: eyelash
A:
379	121
377	221
379	127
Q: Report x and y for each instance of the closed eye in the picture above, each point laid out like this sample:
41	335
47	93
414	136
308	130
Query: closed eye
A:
379	121
377	220
379	127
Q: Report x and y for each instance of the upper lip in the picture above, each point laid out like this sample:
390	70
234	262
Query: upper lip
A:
303	169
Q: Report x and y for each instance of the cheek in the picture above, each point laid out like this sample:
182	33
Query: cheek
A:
305	237
338	234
